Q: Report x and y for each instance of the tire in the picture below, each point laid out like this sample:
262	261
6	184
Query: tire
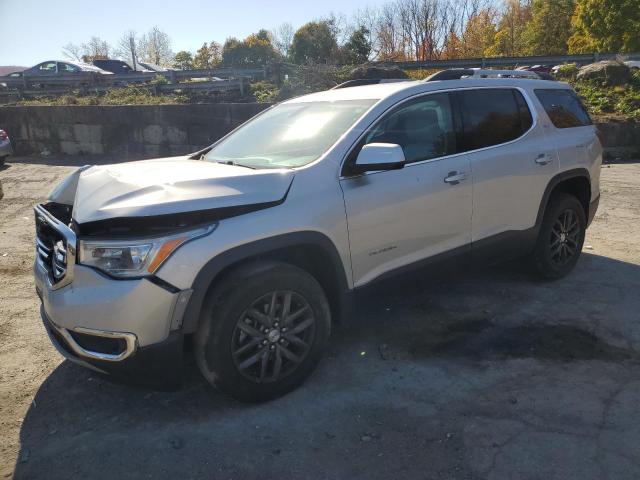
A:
240	311
561	237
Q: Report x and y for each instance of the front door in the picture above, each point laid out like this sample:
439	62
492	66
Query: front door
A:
399	217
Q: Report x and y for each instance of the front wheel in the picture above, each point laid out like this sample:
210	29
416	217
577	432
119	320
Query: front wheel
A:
561	237
263	331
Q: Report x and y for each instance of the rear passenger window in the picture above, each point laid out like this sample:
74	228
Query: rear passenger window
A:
422	127
563	107
493	116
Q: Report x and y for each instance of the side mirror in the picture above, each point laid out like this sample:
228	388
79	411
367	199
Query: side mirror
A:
379	156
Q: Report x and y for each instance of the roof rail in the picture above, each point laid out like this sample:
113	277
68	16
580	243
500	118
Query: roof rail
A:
368	81
460	73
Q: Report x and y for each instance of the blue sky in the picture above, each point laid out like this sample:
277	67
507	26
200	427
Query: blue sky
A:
35	30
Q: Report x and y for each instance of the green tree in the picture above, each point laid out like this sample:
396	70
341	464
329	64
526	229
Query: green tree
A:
605	26
550	27
314	42
183	60
358	48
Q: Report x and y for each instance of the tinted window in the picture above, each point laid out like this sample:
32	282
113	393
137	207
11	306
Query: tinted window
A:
564	108
493	116
422	127
66	68
47	67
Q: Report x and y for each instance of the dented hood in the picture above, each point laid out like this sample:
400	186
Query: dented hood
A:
172	186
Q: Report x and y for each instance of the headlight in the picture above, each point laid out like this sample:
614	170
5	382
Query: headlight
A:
134	258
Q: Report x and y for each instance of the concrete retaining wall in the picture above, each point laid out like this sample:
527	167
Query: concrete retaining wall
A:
620	139
136	131
128	131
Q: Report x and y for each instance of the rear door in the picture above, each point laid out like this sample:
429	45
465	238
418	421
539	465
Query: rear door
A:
399	217
511	159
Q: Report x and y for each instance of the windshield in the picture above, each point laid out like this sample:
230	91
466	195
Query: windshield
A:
289	135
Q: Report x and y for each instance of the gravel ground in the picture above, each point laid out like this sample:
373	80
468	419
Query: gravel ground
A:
491	375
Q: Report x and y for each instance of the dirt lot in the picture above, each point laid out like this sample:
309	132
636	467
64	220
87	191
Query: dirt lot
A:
491	376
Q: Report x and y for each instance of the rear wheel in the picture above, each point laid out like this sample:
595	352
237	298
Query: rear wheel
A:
561	237
263	331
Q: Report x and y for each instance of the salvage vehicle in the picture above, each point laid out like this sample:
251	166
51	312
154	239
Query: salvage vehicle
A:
5	147
248	251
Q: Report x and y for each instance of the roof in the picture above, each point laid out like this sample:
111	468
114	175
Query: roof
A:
384	90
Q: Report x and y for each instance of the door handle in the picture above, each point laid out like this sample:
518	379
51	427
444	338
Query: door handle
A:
543	159
454	178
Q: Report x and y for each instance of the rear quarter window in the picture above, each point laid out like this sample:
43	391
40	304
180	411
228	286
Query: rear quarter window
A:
563	108
493	116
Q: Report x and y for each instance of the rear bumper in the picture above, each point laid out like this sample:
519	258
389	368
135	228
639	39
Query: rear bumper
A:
157	366
593	208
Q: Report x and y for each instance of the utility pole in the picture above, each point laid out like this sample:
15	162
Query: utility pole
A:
132	47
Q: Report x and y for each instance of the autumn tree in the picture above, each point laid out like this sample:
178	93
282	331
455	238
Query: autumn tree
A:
510	39
479	34
256	49
605	26
208	56
550	27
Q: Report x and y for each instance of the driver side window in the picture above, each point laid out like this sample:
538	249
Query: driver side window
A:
422	127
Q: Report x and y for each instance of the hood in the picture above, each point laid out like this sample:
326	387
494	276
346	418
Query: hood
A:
171	186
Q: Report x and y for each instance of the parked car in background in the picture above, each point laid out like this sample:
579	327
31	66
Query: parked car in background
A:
536	68
633	64
119	67
57	67
250	249
5	147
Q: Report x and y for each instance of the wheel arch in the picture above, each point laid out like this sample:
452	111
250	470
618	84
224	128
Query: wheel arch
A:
312	251
576	182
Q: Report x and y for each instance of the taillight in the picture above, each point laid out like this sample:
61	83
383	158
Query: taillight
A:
3	135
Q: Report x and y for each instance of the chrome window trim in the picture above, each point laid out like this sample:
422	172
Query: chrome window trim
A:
525	94
70	240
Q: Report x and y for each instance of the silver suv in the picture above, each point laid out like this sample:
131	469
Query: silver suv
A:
249	250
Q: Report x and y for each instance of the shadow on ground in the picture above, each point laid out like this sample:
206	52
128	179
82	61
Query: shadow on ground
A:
396	397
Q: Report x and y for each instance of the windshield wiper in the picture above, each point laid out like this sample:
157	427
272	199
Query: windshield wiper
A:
235	164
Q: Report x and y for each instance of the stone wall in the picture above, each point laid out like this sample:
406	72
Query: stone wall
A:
129	131
136	131
621	139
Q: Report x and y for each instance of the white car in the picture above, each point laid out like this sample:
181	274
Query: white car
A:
253	247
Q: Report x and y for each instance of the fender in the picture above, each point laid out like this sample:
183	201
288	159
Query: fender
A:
553	183
217	264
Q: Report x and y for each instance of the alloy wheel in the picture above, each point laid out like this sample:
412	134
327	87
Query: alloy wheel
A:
273	336
565	238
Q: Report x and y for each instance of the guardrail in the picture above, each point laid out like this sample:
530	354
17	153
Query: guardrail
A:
225	79
218	86
581	59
